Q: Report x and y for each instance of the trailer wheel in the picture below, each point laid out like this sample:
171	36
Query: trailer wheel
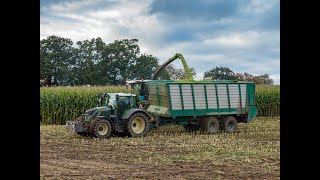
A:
210	125
100	128
229	124
137	125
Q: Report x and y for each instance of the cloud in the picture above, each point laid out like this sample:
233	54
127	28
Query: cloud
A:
242	35
201	9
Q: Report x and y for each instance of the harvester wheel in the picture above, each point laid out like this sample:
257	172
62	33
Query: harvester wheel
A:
210	125
229	124
100	128
137	125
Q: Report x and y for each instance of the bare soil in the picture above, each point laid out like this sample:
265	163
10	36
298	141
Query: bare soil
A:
253	152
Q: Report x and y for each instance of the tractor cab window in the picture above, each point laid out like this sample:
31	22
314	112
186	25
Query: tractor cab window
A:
112	101
126	101
123	104
123	100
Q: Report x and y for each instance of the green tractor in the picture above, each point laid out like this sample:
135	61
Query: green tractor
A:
116	113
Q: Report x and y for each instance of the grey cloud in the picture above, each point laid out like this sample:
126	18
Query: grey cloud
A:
191	10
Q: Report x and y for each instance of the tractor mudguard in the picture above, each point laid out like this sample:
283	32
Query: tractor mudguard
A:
99	111
127	114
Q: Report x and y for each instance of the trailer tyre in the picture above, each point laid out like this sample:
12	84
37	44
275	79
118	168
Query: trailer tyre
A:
100	128
229	124
210	125
137	125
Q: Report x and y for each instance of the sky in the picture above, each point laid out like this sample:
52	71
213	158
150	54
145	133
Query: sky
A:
243	35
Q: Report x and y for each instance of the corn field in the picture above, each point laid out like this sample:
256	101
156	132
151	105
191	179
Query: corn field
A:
268	101
59	104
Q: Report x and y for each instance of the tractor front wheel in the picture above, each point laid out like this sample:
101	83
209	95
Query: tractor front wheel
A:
137	125
100	128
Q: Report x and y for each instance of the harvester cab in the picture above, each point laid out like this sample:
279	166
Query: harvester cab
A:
140	88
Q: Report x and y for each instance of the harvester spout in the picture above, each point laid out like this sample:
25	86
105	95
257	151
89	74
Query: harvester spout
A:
176	56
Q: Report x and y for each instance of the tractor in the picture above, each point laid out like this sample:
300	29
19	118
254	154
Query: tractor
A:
116	113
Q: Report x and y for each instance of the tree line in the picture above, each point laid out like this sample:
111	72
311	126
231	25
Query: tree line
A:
94	62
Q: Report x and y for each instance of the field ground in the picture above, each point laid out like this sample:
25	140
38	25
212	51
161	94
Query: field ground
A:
253	152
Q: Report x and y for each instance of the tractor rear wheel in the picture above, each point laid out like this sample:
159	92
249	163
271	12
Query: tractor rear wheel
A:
229	124
137	125
210	125
100	128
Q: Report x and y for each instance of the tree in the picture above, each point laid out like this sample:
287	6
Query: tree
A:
144	67
89	55
244	77
96	63
263	79
220	73
56	55
118	60
178	74
224	73
164	74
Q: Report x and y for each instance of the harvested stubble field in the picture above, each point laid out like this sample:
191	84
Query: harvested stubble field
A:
253	152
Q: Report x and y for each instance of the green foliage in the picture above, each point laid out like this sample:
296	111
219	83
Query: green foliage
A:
145	66
220	73
86	59
268	100
56	60
59	104
178	74
93	62
224	73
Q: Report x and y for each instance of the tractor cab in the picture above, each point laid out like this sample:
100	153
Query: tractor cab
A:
121	102
118	102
